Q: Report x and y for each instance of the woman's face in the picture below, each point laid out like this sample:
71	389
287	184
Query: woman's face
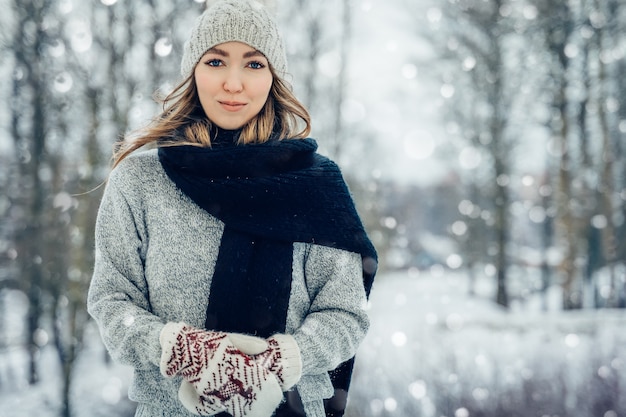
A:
233	81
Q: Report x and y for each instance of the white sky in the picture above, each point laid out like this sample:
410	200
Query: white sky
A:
404	102
401	102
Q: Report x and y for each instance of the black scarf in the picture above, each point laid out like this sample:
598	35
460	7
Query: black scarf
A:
268	196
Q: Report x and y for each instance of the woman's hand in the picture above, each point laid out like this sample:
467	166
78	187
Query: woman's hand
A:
281	357
217	375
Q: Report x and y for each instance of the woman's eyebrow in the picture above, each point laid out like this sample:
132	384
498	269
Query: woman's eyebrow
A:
250	54
221	52
217	51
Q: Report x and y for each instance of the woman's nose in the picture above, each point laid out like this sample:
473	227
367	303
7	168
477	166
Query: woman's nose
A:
233	82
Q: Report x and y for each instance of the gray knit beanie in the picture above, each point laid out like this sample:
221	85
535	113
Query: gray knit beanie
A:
244	21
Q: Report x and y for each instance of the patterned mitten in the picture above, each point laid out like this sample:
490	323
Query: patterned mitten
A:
282	359
223	378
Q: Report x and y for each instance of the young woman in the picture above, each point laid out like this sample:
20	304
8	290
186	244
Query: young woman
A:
231	269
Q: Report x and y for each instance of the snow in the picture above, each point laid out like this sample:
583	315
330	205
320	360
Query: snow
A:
99	388
432	350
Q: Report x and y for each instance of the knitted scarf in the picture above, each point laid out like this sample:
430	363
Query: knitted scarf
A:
268	196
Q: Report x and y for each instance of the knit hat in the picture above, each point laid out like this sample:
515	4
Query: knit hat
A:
244	21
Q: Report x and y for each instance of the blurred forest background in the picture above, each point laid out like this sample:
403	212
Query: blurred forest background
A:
484	138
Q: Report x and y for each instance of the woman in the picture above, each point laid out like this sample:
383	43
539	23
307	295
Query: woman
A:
231	269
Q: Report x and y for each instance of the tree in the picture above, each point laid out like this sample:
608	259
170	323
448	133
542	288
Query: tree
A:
29	130
577	36
603	19
474	35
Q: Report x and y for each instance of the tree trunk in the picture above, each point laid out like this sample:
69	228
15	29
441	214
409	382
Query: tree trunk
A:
607	187
502	227
566	224
342	79
33	261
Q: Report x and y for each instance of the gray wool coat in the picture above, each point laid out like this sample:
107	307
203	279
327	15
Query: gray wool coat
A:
155	256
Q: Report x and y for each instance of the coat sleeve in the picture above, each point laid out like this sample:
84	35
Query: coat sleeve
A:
336	321
118	294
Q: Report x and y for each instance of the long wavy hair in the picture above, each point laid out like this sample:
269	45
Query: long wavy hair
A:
183	121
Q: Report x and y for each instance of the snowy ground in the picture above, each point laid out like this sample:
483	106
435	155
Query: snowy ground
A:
99	388
432	351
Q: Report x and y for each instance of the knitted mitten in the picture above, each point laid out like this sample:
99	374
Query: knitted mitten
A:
282	359
217	376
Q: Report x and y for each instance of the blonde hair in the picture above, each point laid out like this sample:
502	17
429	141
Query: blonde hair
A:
183	122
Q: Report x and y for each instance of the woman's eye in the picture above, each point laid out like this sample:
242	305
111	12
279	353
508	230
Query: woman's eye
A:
214	62
256	65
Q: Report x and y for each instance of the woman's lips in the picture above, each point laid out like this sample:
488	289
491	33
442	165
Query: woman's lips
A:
232	105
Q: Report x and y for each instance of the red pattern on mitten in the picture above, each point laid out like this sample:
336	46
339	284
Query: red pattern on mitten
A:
223	378
282	359
187	350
